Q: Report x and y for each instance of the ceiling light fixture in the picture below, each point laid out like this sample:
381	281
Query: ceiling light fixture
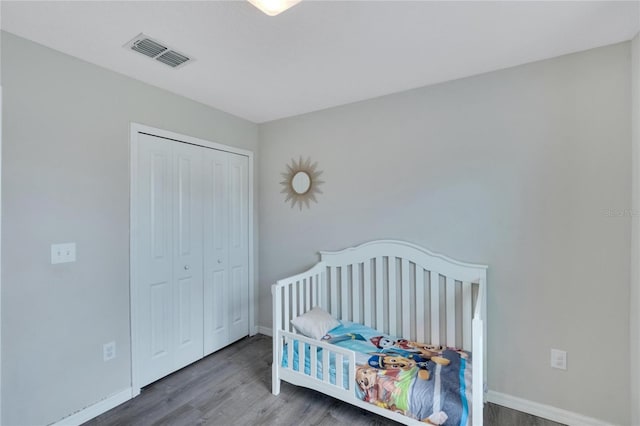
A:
273	7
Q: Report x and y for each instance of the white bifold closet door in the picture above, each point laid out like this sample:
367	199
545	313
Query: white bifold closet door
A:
192	236
226	247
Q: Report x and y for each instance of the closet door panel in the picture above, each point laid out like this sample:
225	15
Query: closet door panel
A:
236	303
155	257
238	246
216	250
215	320
188	252
159	309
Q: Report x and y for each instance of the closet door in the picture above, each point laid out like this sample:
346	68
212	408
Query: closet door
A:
155	257
169	253
188	254
216	249
238	247
226	249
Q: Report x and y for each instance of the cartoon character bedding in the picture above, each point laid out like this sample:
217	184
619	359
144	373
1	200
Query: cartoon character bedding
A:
428	383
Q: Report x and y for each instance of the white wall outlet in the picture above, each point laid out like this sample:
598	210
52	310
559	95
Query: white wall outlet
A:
63	253
558	359
109	351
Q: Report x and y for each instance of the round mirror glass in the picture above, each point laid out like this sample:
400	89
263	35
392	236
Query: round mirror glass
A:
301	182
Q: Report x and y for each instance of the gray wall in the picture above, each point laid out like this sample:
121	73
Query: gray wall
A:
65	177
524	169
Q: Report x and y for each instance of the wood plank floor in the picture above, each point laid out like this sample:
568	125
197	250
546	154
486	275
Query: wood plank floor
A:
233	387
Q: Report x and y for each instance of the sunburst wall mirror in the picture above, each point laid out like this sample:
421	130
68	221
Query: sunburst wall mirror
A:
301	183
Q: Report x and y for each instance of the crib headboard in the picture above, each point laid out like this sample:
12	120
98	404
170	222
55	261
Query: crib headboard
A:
411	292
393	286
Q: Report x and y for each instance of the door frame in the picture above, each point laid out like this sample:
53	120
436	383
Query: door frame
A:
135	130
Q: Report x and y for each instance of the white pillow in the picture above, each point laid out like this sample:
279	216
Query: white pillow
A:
315	323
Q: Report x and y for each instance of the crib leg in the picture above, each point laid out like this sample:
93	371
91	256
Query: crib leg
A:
275	381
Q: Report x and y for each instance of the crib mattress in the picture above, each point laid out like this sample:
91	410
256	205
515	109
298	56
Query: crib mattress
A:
417	380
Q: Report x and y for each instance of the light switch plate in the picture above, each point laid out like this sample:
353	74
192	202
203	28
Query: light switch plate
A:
558	359
63	253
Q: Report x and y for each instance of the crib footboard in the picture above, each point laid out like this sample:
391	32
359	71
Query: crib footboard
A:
318	365
330	370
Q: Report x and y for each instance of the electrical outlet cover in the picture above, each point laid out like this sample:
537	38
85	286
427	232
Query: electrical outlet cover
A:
109	351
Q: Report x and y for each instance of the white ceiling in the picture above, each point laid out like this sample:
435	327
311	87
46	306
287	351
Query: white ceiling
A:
318	54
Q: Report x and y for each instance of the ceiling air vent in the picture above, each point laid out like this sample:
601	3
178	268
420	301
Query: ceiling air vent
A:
158	51
172	58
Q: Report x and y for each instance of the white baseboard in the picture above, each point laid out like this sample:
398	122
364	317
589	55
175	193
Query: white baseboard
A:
545	411
265	330
96	409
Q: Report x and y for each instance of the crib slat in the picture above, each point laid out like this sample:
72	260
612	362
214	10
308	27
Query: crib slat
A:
326	375
406	299
346	381
294	300
314	362
300	285
314	290
379	295
393	292
287	324
334	291
339	381
367	294
451	312
301	355
344	313
323	290
290	354
420	322
435	308
307	293
355	290
466	315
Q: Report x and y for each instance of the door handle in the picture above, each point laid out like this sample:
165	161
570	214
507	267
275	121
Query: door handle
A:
219	260
186	267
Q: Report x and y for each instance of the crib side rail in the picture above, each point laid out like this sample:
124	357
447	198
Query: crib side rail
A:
323	359
291	297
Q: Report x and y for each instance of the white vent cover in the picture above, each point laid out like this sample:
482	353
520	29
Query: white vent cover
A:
158	51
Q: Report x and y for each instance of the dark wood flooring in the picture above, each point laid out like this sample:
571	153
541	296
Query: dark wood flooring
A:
233	387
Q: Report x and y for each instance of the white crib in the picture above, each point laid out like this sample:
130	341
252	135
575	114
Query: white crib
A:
399	289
